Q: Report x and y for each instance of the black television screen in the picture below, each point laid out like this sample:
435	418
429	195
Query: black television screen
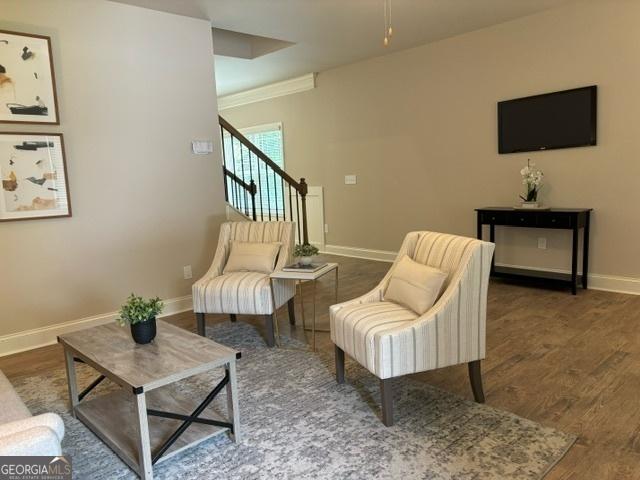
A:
552	120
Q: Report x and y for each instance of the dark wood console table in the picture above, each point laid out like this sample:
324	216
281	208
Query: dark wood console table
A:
572	219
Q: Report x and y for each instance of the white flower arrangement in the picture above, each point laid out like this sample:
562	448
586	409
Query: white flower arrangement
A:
531	177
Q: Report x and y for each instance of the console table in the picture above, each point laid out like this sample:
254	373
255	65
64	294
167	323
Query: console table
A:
572	219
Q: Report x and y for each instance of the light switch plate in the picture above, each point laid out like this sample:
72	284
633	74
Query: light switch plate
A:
542	243
350	179
201	147
187	273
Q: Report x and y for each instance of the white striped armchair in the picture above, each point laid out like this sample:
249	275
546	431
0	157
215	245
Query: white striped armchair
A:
247	293
391	341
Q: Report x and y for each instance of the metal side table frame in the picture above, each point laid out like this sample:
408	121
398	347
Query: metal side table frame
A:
300	277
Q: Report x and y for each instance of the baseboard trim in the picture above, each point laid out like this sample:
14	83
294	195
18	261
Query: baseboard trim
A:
365	253
607	283
41	337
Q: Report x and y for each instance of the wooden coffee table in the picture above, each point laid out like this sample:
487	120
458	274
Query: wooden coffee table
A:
147	421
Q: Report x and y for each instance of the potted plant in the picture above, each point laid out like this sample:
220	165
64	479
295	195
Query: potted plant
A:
532	179
305	253
140	314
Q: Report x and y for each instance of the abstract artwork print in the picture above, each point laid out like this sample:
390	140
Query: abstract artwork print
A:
27	81
34	177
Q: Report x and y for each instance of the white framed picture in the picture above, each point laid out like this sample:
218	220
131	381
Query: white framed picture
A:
33	172
27	79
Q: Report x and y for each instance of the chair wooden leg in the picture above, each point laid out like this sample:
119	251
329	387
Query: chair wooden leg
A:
339	364
271	335
291	306
233	317
386	394
475	376
200	324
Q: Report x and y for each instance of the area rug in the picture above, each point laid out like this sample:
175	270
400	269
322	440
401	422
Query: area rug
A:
298	423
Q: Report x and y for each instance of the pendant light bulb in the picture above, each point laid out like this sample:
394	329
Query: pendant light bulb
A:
386	41
390	31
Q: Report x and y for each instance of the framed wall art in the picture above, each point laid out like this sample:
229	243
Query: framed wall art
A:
34	176
27	80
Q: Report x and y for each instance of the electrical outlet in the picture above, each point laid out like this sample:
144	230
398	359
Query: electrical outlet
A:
186	270
542	243
326	228
350	179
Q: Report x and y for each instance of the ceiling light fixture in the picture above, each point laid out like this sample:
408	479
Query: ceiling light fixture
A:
388	29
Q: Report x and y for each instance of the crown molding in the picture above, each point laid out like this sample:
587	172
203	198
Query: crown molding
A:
266	92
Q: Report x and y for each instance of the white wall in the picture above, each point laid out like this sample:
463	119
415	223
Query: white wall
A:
419	129
135	86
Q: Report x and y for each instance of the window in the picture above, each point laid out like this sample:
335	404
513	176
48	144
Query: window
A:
267	138
269	197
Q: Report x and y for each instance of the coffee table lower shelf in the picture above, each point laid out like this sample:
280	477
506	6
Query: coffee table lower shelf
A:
112	417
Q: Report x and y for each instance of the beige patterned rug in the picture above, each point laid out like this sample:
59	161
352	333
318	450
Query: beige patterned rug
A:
298	423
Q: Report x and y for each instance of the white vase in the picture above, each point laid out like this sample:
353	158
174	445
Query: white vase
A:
306	260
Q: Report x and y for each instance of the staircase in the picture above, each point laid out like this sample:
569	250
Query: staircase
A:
257	187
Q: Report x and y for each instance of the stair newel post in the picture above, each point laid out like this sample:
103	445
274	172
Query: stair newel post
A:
303	197
224	180
253	192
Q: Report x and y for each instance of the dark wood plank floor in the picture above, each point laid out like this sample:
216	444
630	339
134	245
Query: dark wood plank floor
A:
571	363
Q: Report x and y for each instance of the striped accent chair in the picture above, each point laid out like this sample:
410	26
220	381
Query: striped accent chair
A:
391	341
246	293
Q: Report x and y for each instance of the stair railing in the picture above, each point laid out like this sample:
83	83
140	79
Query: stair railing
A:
257	186
235	187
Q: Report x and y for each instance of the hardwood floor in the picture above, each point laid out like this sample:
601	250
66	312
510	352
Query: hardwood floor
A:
571	363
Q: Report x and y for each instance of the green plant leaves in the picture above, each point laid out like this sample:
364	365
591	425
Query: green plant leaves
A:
305	250
138	310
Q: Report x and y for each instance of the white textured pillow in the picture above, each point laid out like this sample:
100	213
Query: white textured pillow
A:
414	285
252	257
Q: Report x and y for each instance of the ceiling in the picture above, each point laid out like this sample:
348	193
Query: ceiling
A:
329	33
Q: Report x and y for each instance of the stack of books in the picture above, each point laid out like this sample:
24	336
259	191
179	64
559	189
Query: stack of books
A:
297	267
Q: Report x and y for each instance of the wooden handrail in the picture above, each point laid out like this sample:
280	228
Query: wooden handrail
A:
251	188
260	154
300	187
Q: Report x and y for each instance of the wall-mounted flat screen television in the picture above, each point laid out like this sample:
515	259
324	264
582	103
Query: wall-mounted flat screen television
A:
552	120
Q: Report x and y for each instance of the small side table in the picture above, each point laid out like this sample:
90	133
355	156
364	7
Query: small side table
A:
309	277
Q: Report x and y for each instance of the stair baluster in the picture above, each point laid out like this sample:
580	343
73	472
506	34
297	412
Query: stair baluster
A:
242	184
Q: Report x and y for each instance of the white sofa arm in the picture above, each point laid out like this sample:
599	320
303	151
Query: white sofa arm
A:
38	440
50	420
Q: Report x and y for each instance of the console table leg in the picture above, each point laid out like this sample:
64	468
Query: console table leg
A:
585	252
492	239
574	262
